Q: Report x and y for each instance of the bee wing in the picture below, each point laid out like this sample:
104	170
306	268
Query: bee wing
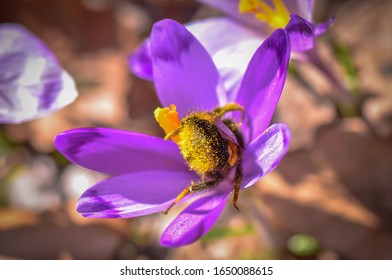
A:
225	131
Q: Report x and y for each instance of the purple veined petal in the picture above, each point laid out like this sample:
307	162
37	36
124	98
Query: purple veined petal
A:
263	82
231	9
239	45
321	28
195	221
116	152
209	29
32	83
301	34
140	63
133	194
264	153
184	73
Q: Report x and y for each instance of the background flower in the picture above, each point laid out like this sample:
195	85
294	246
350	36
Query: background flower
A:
32	82
149	172
240	34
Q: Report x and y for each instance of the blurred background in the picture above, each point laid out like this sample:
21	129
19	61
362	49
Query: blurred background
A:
330	198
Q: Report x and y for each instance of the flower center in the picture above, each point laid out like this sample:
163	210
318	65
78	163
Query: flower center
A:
277	16
168	119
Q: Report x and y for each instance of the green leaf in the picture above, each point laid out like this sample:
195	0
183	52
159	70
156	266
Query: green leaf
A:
217	233
303	245
346	61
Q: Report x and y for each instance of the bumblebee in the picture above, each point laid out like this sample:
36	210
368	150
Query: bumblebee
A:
211	145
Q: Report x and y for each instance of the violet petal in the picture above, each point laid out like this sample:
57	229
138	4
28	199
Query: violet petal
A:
265	152
133	194
195	221
32	83
321	28
140	62
239	44
184	73
301	34
115	151
263	82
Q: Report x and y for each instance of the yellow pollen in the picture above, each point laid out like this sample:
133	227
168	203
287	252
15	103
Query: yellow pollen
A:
167	118
277	16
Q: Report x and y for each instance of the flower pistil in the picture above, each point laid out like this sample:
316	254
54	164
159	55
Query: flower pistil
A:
277	16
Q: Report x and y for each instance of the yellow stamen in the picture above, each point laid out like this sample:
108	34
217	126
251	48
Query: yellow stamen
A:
277	16
168	119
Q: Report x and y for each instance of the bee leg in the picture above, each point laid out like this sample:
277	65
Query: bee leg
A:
193	188
229	107
205	185
237	184
172	133
186	191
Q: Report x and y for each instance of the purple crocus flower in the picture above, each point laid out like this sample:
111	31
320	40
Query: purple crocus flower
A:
32	83
232	40
147	172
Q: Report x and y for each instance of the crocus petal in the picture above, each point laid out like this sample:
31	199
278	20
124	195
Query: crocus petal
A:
184	73
134	194
115	151
194	221
239	45
140	62
264	153
301	34
322	27
263	82
32	83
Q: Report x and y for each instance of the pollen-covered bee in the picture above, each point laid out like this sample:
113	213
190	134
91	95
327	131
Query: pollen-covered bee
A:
211	145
